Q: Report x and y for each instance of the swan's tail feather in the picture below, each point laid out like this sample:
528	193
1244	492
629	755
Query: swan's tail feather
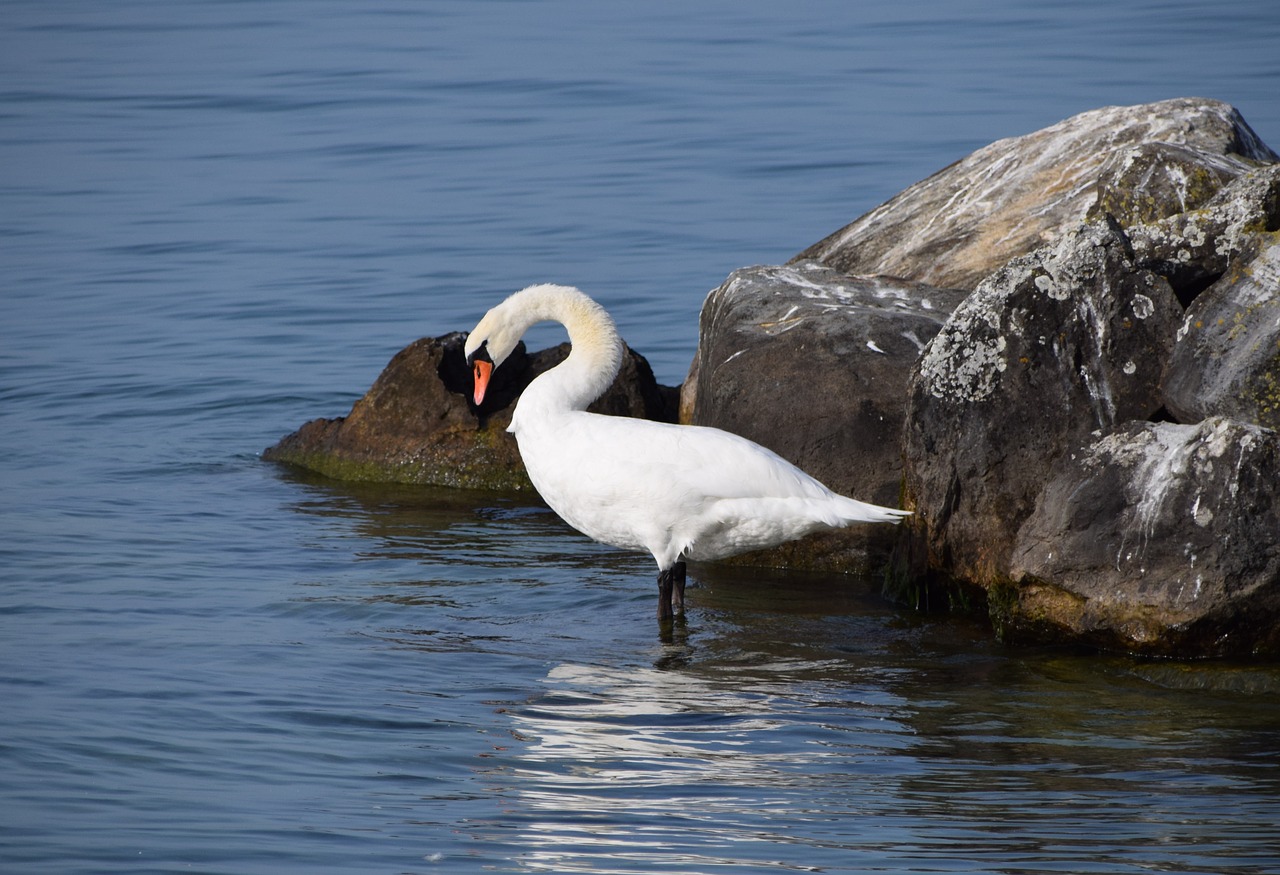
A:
853	511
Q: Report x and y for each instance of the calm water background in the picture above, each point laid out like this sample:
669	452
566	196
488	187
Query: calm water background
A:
220	219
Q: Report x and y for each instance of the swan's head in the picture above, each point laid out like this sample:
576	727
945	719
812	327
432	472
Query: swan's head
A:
488	346
497	334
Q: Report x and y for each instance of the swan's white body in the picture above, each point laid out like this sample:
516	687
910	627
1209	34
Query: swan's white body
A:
675	491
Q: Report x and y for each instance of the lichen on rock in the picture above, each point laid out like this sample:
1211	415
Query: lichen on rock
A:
1017	378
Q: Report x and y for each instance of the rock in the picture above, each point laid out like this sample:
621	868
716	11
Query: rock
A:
1152	181
416	424
1192	250
1017	194
1227	359
1157	538
1055	345
815	365
1147	538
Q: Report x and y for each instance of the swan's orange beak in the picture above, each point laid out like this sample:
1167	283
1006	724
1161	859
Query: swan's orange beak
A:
484	370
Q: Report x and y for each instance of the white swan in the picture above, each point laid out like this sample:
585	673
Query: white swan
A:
679	492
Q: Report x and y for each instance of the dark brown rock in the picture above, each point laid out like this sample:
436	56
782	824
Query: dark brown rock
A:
1157	538
1053	346
416	424
1017	194
815	365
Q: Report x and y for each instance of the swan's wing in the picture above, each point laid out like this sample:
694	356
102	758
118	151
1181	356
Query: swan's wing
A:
677	490
703	462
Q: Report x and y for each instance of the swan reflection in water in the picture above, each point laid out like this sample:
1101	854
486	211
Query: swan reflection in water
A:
626	769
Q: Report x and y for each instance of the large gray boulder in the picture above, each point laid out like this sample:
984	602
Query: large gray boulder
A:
1156	538
815	365
1055	345
416	424
1142	163
1030	462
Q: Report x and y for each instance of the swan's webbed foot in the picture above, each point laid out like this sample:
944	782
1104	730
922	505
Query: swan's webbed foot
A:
671	591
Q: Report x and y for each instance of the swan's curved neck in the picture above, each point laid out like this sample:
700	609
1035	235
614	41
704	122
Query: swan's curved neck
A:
594	360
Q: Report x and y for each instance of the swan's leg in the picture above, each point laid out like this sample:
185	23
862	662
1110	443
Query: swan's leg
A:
671	591
666	583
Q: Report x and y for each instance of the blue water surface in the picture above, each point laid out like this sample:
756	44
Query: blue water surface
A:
220	218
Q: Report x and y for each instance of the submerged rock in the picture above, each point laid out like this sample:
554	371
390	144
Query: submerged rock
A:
417	424
814	365
1157	538
1052	347
1013	196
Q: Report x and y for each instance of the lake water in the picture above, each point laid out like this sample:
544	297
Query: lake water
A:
221	219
